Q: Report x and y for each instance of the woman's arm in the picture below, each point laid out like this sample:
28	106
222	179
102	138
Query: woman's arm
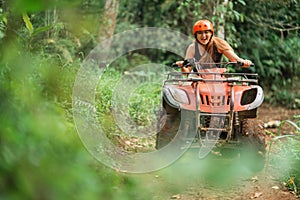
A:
226	50
235	58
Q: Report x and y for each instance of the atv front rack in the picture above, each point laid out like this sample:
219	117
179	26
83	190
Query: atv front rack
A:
216	77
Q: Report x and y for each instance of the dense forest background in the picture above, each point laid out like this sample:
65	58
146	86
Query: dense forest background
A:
43	44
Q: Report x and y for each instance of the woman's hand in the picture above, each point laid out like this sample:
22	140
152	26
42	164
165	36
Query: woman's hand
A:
184	69
246	63
180	63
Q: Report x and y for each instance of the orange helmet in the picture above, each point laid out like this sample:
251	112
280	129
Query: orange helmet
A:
203	25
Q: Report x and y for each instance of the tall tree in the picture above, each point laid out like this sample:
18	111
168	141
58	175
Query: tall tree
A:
109	20
221	20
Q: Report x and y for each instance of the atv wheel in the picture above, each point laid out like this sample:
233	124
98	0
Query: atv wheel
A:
253	144
168	130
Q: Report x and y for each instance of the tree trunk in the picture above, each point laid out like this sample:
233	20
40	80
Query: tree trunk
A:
107	29
109	20
221	22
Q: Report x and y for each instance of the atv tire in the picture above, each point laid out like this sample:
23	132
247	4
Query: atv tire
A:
253	144
168	130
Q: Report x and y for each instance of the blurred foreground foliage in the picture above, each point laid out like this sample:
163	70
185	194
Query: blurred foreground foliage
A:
41	155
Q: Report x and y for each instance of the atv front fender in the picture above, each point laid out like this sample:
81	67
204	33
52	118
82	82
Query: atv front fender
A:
175	96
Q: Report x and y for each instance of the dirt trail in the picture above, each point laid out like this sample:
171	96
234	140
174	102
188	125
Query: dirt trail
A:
184	182
260	186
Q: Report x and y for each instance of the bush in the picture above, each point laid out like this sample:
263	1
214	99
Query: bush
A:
284	155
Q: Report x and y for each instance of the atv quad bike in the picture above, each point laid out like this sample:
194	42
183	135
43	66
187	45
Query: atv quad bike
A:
220	109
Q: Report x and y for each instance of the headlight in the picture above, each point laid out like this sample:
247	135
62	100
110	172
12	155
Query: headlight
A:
248	96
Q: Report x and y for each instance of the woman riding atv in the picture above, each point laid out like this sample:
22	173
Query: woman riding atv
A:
208	48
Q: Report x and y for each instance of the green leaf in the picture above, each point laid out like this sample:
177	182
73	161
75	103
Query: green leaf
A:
242	2
41	29
28	23
230	5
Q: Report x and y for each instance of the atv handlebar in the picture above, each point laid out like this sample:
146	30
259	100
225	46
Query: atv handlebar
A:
240	64
174	65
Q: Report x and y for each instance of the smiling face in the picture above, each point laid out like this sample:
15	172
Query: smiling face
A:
204	36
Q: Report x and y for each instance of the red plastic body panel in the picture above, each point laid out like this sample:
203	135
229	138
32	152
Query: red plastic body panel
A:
214	96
